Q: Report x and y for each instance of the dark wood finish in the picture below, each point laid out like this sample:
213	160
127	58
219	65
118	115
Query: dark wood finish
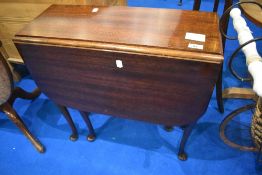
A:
148	88
15	118
7	108
72	52
227	4
21	93
15	14
187	131
66	114
216	3
18	92
91	136
197	5
219	91
140	27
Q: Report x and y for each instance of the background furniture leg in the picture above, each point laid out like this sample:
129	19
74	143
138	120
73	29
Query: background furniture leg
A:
225	122
20	93
66	114
91	136
12	115
242	93
187	131
219	97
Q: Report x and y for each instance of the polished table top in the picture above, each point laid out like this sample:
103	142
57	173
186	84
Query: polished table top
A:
155	31
253	12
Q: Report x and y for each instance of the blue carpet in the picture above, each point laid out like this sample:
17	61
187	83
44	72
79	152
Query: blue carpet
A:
124	146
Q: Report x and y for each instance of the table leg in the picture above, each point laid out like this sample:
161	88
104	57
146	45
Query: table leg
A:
74	135
219	92
187	131
92	136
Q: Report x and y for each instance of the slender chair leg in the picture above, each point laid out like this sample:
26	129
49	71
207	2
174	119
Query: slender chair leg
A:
187	131
12	115
21	93
66	114
219	97
91	136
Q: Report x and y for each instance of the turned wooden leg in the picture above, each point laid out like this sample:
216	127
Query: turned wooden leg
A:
169	128
66	114
187	131
219	97
91	136
20	93
12	115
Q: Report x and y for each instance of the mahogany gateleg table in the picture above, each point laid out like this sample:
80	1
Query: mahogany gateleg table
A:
129	62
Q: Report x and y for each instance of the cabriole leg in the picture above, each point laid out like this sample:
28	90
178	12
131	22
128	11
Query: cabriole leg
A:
15	118
187	131
63	109
91	136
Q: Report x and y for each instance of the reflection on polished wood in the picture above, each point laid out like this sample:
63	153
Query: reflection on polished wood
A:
134	31
15	14
73	61
224	27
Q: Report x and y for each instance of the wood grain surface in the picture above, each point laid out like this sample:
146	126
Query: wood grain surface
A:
154	89
71	54
159	28
15	14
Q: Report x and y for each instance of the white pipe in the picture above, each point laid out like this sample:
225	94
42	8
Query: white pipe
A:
253	59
